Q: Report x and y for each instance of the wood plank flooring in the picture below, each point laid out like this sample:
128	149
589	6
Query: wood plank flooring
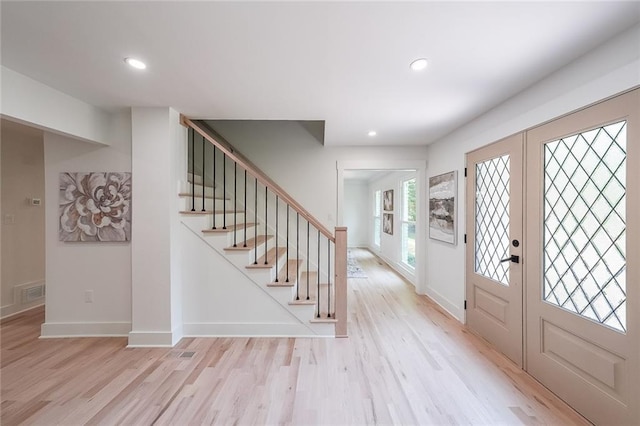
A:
405	362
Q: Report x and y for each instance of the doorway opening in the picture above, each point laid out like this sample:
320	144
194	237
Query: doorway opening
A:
381	206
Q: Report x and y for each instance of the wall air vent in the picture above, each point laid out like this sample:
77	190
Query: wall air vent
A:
33	293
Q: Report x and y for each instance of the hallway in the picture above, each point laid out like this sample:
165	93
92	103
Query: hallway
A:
405	361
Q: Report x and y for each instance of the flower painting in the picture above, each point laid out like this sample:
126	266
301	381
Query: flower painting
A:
95	206
442	207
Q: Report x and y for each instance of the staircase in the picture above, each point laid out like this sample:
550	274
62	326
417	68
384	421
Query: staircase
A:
250	222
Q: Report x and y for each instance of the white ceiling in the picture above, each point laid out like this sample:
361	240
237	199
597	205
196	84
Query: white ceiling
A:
343	62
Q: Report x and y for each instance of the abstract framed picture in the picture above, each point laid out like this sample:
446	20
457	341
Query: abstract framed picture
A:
94	206
442	207
387	200
387	223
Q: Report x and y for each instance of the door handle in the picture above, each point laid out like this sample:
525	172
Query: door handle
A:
513	258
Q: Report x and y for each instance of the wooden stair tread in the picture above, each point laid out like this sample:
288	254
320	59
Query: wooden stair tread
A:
303	302
323	320
251	243
230	228
271	259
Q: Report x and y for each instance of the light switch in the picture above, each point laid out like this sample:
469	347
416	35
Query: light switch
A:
8	219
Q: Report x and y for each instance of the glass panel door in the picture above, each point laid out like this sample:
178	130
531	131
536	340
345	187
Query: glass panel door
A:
493	251
583	297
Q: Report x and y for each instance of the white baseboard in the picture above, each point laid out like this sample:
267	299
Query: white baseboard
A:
84	329
155	339
257	330
446	304
15	309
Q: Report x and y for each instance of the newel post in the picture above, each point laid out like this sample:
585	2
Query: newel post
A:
341	281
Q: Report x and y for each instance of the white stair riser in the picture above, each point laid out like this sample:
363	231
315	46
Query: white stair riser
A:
197	189
209	203
239	219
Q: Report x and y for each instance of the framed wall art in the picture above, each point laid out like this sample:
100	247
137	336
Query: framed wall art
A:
387	200
94	206
442	207
387	223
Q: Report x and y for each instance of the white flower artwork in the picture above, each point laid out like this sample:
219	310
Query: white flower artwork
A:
95	206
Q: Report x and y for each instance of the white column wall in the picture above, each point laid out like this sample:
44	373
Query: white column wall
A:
156	317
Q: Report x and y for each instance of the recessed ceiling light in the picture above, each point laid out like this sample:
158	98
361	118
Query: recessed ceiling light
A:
419	64
372	133
135	63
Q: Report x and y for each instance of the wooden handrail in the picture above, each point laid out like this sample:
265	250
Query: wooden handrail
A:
257	173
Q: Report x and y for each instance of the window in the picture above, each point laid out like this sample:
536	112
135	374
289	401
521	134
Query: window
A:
377	203
408	223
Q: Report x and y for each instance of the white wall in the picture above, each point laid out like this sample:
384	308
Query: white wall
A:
73	268
357	212
28	101
23	263
610	69
158	161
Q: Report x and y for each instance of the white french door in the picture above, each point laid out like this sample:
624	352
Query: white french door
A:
582	247
494	250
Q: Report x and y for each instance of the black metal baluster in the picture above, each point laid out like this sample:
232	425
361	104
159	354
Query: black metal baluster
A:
266	246
318	289
277	238
193	180
203	194
224	192
255	225
297	256
308	259
214	187
287	243
245	207
235	203
328	278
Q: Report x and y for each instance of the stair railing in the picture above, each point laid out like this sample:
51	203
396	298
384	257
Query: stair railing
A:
336	284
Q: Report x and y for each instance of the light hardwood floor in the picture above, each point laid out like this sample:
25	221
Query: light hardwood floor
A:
405	362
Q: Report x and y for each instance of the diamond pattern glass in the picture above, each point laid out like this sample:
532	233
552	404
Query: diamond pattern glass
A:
492	219
585	224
